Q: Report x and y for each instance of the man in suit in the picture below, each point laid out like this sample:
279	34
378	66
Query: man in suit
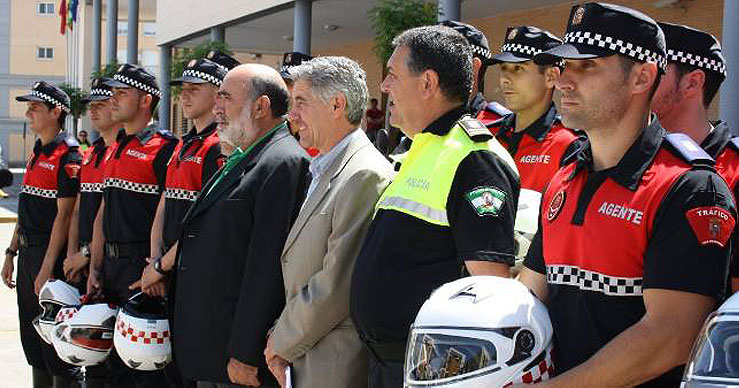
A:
229	288
314	331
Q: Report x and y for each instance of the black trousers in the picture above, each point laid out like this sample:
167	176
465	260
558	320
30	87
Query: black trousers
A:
385	374
38	353
118	274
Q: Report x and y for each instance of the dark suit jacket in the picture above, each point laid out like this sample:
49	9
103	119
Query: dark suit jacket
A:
229	287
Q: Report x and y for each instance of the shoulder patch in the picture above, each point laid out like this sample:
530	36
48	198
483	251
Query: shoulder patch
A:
486	200
497	108
476	130
166	134
711	224
734	143
688	150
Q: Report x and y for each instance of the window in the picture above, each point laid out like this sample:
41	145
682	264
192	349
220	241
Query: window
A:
150	29
122	27
45	53
46	8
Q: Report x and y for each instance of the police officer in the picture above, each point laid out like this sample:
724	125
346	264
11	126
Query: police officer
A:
133	181
88	200
226	62
695	71
534	134
45	206
456	187
482	58
632	250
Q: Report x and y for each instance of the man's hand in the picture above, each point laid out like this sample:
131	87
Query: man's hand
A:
240	373
44	274
7	272
94	283
75	266
275	363
152	283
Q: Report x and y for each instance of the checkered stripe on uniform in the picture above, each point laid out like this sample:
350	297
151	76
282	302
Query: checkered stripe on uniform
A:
101	92
618	45
91	187
39	192
132	186
538	373
138	85
65	314
188	195
204	76
520	48
696	60
482	51
140	336
594	281
50	100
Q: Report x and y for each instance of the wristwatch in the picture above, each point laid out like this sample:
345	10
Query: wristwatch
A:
86	251
11	252
158	267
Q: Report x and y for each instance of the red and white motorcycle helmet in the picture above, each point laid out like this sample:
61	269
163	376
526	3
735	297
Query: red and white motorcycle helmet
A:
527	222
141	335
479	331
55	295
87	338
715	359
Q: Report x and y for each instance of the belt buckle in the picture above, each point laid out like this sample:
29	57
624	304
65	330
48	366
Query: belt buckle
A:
112	250
23	240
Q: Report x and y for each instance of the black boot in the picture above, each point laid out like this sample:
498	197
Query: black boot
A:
41	378
66	382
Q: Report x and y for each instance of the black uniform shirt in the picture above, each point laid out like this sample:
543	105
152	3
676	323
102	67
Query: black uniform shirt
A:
91	190
404	258
52	172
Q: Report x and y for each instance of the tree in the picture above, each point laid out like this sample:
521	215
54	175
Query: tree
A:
106	71
391	17
77	107
183	56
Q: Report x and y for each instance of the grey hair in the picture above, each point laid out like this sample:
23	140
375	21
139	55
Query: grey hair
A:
329	76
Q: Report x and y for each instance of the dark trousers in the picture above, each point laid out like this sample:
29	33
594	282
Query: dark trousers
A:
118	274
38	353
386	364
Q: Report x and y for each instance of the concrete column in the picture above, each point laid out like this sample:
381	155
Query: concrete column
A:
449	10
132	54
97	37
302	26
111	43
165	63
218	34
730	88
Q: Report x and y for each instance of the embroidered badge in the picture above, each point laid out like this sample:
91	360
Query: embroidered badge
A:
486	200
192	63
72	170
577	17
711	224
556	205
512	34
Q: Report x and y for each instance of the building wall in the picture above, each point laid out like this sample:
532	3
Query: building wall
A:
24	41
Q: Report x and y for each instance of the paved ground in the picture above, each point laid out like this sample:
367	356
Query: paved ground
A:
14	371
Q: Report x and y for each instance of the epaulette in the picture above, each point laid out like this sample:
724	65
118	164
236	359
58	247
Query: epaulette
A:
682	145
166	134
734	143
476	130
71	142
497	108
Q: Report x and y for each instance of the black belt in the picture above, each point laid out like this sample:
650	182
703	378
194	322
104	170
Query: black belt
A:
26	240
386	350
128	250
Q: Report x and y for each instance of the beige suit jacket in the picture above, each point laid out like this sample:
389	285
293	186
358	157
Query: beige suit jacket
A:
314	331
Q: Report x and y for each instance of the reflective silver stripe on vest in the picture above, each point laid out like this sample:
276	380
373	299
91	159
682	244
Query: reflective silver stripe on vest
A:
415	207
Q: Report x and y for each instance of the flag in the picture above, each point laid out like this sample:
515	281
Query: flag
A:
73	5
63	14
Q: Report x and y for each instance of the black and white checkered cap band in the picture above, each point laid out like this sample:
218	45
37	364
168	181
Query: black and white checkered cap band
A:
696	60
101	92
620	46
39	192
50	99
287	67
520	48
485	53
187	195
138	85
91	187
594	281
203	76
132	186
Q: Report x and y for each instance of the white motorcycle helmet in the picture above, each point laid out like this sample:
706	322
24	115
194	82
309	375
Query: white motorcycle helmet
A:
141	335
714	361
54	296
527	222
87	338
479	331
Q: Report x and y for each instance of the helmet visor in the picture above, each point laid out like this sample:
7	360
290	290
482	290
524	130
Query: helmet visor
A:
91	338
432	357
715	355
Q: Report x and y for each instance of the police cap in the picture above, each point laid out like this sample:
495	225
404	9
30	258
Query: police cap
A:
694	47
201	71
523	42
475	37
225	61
133	76
99	91
292	59
44	92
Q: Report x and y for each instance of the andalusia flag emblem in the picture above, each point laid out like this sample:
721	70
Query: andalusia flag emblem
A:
486	200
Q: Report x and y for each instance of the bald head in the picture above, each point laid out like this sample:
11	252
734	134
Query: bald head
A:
256	81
